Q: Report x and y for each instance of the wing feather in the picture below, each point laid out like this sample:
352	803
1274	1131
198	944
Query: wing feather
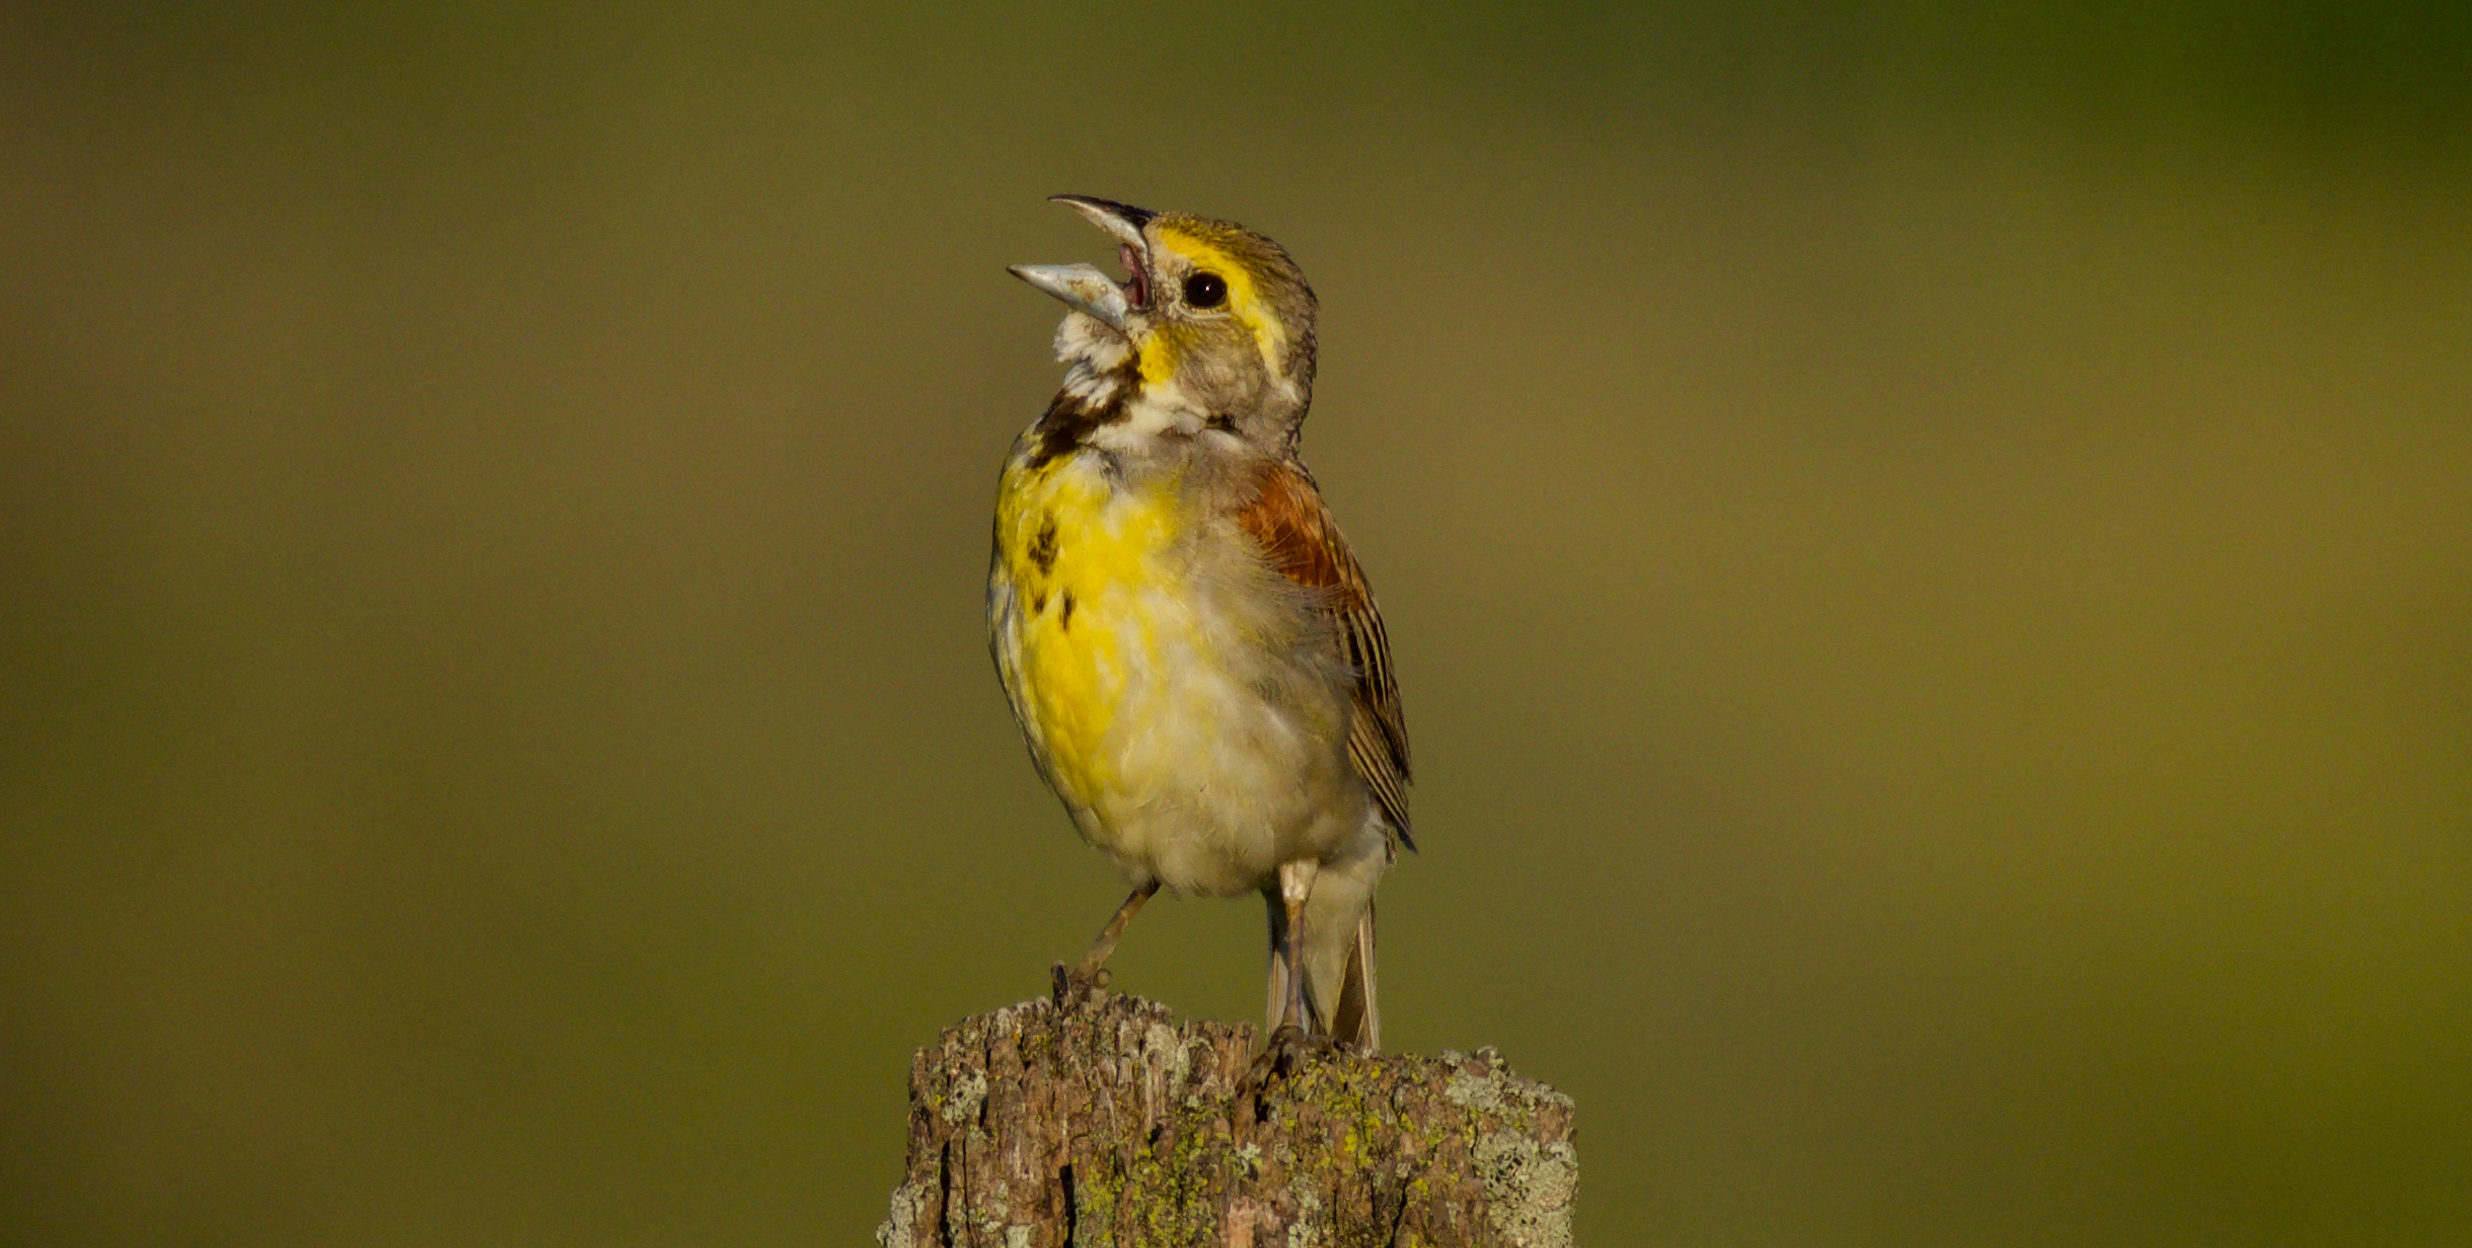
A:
1299	538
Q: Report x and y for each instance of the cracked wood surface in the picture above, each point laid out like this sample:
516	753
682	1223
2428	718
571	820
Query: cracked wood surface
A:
1112	1122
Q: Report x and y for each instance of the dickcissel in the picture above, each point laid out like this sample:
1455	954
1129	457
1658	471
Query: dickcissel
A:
1191	651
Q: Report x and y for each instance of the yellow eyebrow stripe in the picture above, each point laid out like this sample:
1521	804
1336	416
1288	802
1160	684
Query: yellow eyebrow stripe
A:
1244	301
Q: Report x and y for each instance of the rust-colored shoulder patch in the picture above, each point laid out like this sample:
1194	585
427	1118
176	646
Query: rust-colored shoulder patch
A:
1296	532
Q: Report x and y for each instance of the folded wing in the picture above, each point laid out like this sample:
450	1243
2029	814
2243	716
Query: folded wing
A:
1301	540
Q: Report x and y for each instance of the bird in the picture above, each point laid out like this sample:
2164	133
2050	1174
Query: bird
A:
1191	650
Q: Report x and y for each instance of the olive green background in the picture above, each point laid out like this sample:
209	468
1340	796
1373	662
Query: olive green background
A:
1930	555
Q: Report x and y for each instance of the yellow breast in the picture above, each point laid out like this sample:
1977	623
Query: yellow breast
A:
1081	566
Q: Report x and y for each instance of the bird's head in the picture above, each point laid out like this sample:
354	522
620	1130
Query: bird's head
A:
1210	317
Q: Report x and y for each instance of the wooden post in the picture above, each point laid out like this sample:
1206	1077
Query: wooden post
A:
1108	1121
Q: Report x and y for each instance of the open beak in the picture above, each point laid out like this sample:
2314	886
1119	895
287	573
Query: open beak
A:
1083	286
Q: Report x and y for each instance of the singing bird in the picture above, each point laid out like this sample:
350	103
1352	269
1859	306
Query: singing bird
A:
1192	653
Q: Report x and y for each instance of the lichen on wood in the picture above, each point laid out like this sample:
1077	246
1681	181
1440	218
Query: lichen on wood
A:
1109	1121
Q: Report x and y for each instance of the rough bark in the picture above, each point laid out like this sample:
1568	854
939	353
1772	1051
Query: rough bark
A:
1111	1122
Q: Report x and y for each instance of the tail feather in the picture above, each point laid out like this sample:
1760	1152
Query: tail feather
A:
1358	1019
1279	968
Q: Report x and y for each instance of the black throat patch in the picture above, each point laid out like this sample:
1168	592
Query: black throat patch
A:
1068	424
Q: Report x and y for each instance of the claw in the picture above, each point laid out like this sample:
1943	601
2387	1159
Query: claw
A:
1283	1054
1075	987
1086	981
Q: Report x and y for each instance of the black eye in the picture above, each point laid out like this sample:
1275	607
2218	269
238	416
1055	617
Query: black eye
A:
1205	290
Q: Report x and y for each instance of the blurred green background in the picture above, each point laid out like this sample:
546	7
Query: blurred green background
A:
1929	549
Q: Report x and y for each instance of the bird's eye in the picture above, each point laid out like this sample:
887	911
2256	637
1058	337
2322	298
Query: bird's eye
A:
1205	290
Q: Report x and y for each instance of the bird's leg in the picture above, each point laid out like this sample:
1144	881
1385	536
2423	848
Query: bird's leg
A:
1094	962
1296	1024
1295	886
1079	981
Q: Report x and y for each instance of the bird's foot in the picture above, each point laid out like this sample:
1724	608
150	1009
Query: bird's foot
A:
1284	1053
1074	987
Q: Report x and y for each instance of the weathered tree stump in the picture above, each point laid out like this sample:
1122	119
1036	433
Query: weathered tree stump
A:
1111	1122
